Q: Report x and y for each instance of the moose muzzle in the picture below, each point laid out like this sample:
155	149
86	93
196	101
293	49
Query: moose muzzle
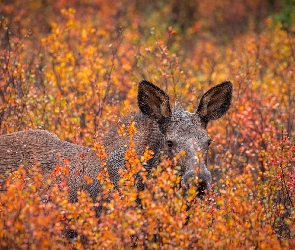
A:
199	177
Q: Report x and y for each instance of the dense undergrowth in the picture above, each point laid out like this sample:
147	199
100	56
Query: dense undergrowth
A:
74	71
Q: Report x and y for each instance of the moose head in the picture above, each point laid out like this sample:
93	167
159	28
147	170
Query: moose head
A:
185	131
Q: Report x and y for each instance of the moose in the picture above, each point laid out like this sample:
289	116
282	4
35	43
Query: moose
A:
164	130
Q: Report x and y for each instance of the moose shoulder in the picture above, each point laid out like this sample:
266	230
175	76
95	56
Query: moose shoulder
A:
159	127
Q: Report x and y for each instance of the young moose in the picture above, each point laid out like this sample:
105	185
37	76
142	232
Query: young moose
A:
164	131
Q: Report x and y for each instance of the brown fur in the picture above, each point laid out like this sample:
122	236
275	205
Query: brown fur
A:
163	130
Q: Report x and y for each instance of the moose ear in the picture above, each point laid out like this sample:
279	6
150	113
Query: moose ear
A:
215	102
152	101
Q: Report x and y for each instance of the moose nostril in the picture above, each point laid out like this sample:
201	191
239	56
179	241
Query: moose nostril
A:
190	179
170	144
201	189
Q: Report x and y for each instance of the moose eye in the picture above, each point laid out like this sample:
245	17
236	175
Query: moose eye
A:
170	144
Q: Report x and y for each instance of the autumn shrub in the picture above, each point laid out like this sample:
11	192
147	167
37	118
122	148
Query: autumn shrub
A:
242	212
74	72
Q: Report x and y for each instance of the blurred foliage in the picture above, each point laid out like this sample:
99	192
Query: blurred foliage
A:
287	14
72	67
